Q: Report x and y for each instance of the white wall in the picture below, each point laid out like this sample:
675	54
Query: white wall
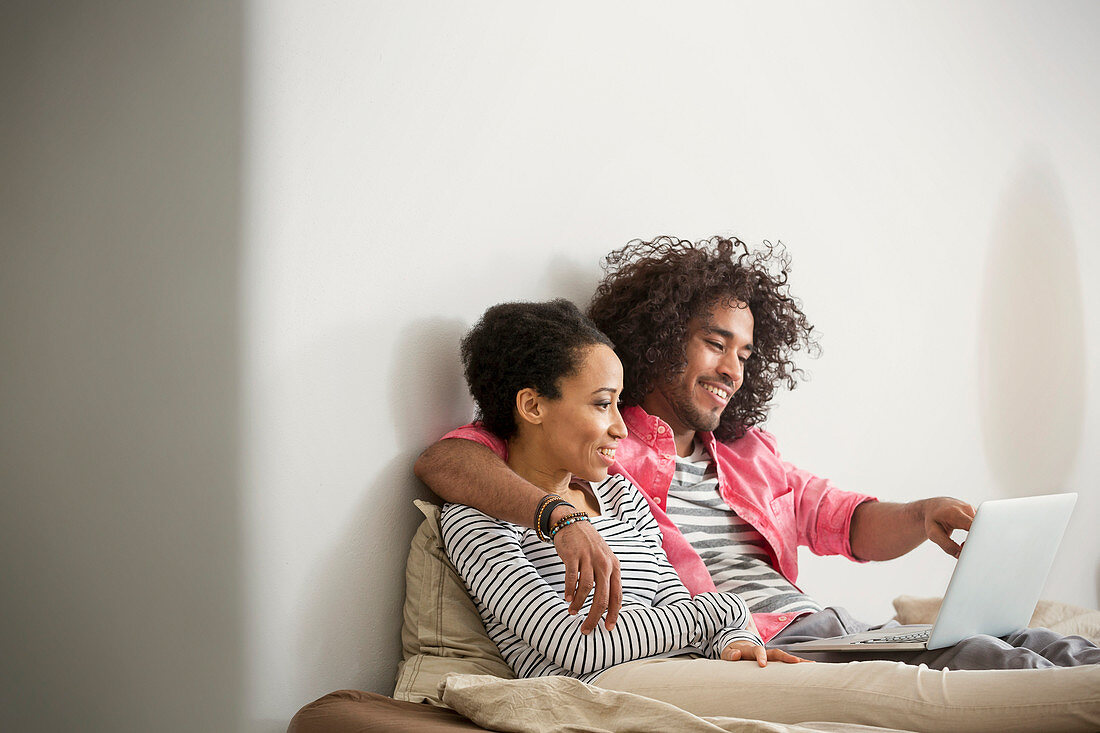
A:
931	168
412	164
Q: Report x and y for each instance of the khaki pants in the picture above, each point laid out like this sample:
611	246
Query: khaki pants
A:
878	693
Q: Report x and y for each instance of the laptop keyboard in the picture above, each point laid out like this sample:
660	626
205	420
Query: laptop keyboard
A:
914	636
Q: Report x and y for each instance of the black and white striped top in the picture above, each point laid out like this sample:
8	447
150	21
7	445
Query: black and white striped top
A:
517	583
731	548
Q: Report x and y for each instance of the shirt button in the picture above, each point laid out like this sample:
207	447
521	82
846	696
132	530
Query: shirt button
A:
657	500
660	429
782	618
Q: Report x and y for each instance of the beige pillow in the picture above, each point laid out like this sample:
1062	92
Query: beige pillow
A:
442	631
1060	617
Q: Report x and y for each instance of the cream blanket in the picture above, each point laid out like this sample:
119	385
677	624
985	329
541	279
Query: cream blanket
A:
565	705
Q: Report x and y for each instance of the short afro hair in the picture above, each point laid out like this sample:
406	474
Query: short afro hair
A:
520	345
653	289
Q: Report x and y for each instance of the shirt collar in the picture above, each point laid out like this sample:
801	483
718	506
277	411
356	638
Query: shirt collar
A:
649	428
642	425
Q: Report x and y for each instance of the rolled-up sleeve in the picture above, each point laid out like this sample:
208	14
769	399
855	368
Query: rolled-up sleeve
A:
478	434
823	513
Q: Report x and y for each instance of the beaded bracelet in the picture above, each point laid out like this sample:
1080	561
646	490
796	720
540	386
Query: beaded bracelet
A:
546	507
566	521
547	517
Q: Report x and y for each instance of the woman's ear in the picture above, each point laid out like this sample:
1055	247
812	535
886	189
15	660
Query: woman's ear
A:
529	408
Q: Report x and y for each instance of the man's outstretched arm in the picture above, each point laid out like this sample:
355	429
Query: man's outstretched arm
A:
465	472
882	531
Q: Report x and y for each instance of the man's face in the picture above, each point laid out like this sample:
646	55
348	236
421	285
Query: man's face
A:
718	344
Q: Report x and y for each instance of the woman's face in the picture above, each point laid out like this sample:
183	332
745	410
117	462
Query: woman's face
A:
583	427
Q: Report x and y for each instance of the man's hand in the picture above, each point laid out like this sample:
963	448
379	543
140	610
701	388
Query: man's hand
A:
746	650
882	530
942	516
466	472
590	563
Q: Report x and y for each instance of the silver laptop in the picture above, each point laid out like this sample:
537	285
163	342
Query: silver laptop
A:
1001	570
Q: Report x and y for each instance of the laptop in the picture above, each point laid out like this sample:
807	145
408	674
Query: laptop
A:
996	584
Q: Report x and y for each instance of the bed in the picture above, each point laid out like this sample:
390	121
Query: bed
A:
452	677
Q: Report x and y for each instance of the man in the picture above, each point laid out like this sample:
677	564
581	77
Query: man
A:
706	333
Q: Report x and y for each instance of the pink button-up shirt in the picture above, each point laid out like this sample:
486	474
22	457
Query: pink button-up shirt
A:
788	506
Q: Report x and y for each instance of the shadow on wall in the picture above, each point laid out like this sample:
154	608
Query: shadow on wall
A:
352	624
1032	350
351	627
428	394
564	278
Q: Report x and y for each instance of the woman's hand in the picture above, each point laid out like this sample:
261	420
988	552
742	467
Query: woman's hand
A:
747	650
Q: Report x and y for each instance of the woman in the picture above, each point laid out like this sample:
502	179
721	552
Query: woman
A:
547	381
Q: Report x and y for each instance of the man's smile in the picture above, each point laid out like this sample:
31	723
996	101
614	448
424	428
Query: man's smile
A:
722	393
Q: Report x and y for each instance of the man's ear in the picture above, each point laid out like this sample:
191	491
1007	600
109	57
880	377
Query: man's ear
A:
529	407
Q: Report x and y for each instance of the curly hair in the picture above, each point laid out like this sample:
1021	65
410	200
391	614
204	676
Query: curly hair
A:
520	345
653	289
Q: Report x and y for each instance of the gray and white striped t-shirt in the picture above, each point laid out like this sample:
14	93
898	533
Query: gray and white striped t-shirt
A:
733	551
